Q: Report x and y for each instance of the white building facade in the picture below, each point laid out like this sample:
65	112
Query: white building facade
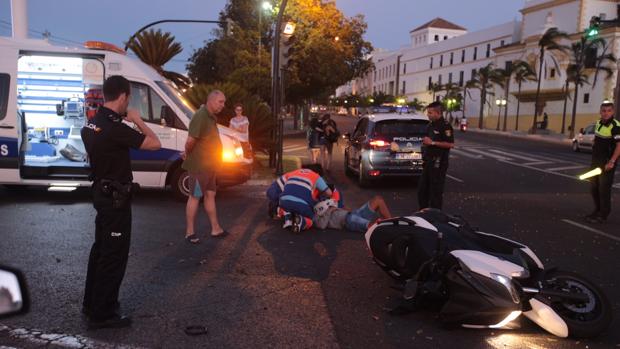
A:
443	52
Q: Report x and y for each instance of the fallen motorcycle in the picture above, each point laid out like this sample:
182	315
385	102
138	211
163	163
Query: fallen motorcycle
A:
482	280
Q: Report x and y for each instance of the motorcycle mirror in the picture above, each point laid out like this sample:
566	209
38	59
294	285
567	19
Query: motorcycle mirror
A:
14	297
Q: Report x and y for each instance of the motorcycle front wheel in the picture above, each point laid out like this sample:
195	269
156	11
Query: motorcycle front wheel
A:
584	319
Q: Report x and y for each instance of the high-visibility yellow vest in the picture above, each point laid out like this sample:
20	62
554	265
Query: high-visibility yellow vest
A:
603	131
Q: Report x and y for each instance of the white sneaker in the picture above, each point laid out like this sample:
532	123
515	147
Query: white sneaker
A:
287	223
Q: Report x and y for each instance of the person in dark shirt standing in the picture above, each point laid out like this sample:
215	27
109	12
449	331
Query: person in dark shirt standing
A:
108	140
437	145
605	154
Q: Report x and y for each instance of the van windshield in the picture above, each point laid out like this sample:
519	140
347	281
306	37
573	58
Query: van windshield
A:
177	98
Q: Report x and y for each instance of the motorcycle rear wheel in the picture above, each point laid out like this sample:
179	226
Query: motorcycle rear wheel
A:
584	320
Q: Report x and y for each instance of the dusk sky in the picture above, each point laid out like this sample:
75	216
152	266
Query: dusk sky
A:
389	21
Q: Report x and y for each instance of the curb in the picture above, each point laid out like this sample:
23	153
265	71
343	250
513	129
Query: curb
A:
538	138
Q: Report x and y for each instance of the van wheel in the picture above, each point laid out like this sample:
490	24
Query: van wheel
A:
180	184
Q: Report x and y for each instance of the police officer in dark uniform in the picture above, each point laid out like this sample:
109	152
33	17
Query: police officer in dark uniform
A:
108	140
605	153
437	145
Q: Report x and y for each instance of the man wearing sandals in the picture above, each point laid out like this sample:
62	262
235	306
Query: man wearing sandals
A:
202	158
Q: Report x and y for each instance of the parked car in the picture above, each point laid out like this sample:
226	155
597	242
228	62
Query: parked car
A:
385	145
584	140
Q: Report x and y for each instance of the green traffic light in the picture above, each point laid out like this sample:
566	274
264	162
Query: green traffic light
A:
592	32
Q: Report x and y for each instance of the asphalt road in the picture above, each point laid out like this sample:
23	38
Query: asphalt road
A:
264	287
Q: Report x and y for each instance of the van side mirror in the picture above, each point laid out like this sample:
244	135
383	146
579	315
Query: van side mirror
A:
167	116
14	297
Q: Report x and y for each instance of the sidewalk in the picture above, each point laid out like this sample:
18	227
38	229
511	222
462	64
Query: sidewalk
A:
552	137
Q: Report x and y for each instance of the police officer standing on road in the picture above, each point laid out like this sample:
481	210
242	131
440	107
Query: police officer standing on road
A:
605	154
437	145
108	140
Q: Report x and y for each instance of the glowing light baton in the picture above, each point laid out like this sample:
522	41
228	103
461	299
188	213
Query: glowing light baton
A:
597	171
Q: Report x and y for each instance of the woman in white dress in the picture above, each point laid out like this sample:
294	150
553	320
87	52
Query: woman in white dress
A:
241	124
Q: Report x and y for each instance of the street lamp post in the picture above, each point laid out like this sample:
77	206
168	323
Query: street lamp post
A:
265	6
500	103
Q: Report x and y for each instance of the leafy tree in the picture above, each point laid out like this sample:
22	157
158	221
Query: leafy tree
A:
483	80
328	49
381	98
156	49
548	42
578	69
523	72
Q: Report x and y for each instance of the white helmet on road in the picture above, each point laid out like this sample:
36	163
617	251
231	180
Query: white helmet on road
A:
323	206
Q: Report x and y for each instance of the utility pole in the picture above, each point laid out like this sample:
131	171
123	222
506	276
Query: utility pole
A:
275	96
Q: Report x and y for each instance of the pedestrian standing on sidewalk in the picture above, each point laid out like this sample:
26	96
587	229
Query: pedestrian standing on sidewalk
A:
202	159
107	141
435	153
241	124
315	132
330	136
605	154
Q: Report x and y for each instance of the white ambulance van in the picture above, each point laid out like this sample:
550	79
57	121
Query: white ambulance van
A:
48	92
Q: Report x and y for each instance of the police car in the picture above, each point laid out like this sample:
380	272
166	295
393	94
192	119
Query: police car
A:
385	145
584	140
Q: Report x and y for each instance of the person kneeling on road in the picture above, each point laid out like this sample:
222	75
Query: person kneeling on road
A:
328	215
300	193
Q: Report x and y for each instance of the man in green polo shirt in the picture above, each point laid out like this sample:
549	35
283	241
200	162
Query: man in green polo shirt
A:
203	155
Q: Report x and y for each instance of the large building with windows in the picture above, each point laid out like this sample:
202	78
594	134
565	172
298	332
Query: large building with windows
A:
443	52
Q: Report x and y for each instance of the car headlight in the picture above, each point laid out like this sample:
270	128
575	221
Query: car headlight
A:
514	294
239	151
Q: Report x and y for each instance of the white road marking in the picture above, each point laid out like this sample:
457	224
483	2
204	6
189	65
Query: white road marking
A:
466	154
291	149
567	168
486	153
516	156
540	170
456	179
596	231
542	162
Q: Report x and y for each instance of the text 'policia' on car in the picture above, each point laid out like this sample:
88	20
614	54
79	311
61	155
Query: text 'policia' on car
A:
47	93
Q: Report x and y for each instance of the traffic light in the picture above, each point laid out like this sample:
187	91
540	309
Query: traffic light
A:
595	25
286	50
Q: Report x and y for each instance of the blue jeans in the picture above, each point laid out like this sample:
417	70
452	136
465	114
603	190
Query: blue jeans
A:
359	219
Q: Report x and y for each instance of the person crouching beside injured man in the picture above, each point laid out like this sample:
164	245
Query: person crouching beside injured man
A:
329	215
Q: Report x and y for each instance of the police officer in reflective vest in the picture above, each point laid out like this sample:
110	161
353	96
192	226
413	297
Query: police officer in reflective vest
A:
437	145
107	140
605	153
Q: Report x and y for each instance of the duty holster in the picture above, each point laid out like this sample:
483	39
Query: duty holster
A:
121	193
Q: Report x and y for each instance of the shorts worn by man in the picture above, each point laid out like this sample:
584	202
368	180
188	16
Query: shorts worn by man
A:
328	215
107	140
203	156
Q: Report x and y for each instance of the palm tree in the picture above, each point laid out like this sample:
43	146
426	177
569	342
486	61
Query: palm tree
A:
579	69
452	93
569	79
468	86
523	72
156	49
548	42
484	79
434	88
